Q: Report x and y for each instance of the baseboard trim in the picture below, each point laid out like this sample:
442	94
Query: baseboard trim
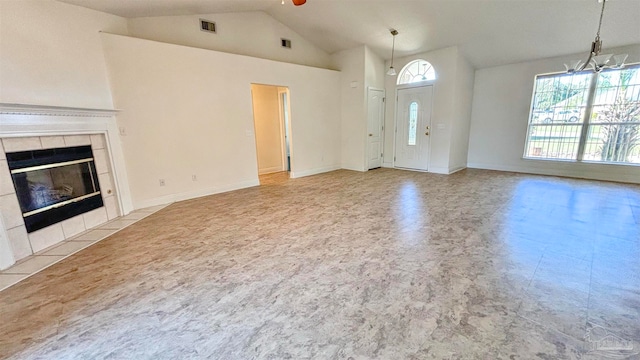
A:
354	168
303	173
586	171
456	169
439	170
188	195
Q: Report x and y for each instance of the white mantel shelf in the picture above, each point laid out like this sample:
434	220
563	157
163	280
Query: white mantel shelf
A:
25	109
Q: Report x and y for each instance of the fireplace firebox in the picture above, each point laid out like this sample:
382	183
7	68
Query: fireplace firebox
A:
53	185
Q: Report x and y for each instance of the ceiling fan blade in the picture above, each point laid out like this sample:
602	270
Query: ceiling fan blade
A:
299	2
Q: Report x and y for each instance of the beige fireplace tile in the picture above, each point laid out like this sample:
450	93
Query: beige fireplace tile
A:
11	213
50	142
137	215
19	241
106	184
21	144
6	184
33	264
111	204
68	248
7	280
46	237
100	158
72	227
117	224
2	154
152	209
77	140
94	235
97	141
95	217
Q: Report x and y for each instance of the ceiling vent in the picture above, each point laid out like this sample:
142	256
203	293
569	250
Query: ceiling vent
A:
286	43
207	26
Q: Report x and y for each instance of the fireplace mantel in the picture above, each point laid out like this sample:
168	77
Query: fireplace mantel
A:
34	120
25	109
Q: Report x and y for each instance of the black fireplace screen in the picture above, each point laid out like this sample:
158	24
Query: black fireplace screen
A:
55	184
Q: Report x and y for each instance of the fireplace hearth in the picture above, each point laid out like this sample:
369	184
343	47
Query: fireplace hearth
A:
55	184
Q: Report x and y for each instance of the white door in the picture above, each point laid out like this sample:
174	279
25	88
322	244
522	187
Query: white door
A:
413	128
375	119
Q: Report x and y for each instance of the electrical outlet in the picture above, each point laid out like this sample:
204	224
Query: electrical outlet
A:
194	177
161	182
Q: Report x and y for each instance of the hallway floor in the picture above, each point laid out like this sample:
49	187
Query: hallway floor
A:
386	264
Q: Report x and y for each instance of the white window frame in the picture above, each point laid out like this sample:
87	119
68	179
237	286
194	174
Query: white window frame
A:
586	121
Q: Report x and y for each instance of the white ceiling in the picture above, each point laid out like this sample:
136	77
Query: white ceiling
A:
489	32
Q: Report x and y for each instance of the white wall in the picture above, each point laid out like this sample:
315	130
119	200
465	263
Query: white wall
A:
266	117
501	103
51	54
443	112
188	111
360	68
462	118
254	34
351	64
374	71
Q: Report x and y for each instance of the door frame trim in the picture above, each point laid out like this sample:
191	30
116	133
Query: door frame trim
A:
285	126
366	132
395	124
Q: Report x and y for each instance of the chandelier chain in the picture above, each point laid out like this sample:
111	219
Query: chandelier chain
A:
600	23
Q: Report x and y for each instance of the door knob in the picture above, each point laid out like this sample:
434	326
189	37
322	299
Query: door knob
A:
370	134
427	133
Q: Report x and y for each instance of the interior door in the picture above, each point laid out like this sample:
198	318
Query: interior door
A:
375	118
413	128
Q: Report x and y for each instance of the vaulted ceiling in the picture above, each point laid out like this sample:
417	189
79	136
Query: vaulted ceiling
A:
489	32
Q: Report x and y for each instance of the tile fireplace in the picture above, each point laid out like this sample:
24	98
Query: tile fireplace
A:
62	173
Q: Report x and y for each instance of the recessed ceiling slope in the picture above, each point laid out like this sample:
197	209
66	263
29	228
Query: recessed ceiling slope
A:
488	32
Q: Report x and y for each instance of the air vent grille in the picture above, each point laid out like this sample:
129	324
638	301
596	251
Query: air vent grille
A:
208	26
286	43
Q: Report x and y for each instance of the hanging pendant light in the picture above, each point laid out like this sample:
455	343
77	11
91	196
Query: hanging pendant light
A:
598	61
392	70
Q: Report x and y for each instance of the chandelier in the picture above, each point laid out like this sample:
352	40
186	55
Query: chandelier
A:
597	60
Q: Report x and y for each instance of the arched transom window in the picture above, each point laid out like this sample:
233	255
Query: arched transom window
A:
416	71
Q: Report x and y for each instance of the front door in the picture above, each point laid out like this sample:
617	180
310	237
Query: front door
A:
413	128
375	118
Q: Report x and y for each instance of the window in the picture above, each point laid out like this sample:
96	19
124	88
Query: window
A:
413	123
586	117
416	71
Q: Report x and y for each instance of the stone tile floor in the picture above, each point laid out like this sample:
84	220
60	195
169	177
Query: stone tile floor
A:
386	264
47	257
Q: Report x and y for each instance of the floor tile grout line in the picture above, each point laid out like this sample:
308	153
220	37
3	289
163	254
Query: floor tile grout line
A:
537	266
590	289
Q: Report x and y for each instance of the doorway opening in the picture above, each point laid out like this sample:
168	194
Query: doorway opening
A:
272	123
